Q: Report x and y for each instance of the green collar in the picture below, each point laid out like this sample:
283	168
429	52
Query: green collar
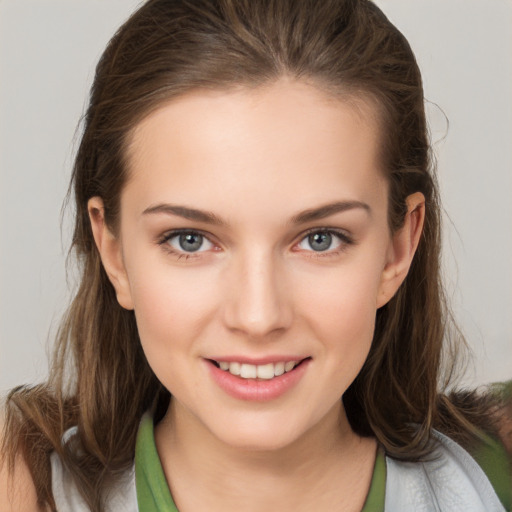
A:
153	494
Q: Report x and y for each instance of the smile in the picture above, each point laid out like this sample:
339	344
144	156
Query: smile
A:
257	380
257	371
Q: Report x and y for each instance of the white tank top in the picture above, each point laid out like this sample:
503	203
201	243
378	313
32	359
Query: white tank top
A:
450	481
122	498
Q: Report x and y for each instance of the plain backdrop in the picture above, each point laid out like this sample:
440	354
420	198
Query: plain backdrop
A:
48	50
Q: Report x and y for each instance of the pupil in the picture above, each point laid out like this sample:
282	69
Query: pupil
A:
320	241
191	242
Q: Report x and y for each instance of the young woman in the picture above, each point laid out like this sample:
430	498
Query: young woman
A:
260	322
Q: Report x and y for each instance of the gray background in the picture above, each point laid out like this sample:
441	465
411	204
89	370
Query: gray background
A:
48	49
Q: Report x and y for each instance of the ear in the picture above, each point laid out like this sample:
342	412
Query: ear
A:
402	249
109	247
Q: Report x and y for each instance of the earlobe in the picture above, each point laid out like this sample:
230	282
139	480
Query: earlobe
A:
403	247
109	248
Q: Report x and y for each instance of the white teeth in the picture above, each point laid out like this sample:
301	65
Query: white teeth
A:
248	371
260	371
265	371
289	366
234	368
278	369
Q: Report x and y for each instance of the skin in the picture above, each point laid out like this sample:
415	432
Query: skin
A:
17	490
257	160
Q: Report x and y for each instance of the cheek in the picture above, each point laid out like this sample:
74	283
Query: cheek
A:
341	309
171	307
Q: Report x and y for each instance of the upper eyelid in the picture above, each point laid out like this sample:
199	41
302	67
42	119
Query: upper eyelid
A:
342	233
345	242
163	240
167	235
324	229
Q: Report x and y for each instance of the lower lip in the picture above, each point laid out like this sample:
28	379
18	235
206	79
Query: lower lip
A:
257	390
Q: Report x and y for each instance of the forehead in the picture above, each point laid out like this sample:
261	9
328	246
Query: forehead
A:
288	140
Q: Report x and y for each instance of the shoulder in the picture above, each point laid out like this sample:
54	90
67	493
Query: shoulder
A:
17	489
121	495
494	452
504	414
450	479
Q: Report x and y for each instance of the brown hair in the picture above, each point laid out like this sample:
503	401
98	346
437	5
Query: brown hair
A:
100	380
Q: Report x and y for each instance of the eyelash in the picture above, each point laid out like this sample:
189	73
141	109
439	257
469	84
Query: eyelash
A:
344	239
164	243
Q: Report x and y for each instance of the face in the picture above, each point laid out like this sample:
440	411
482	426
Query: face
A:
254	248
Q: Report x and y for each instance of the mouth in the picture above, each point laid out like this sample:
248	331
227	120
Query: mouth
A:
258	380
266	371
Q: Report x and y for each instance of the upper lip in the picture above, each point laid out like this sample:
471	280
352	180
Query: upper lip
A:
258	360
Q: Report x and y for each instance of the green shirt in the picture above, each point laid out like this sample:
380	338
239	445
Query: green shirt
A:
153	494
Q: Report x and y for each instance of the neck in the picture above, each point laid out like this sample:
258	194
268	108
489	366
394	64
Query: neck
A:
327	465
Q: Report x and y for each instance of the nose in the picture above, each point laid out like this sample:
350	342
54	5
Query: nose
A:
258	303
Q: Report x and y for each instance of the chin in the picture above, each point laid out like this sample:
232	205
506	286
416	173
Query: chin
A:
261	432
260	441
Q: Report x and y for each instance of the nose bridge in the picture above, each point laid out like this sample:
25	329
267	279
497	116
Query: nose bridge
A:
258	304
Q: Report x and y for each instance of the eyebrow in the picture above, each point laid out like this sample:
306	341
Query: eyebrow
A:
327	210
210	218
186	213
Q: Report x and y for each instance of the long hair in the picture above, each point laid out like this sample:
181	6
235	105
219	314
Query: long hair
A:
100	380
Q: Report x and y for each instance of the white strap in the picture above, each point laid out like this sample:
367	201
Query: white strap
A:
123	497
450	481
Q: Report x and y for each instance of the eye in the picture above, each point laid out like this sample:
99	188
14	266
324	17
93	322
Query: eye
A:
188	242
323	240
